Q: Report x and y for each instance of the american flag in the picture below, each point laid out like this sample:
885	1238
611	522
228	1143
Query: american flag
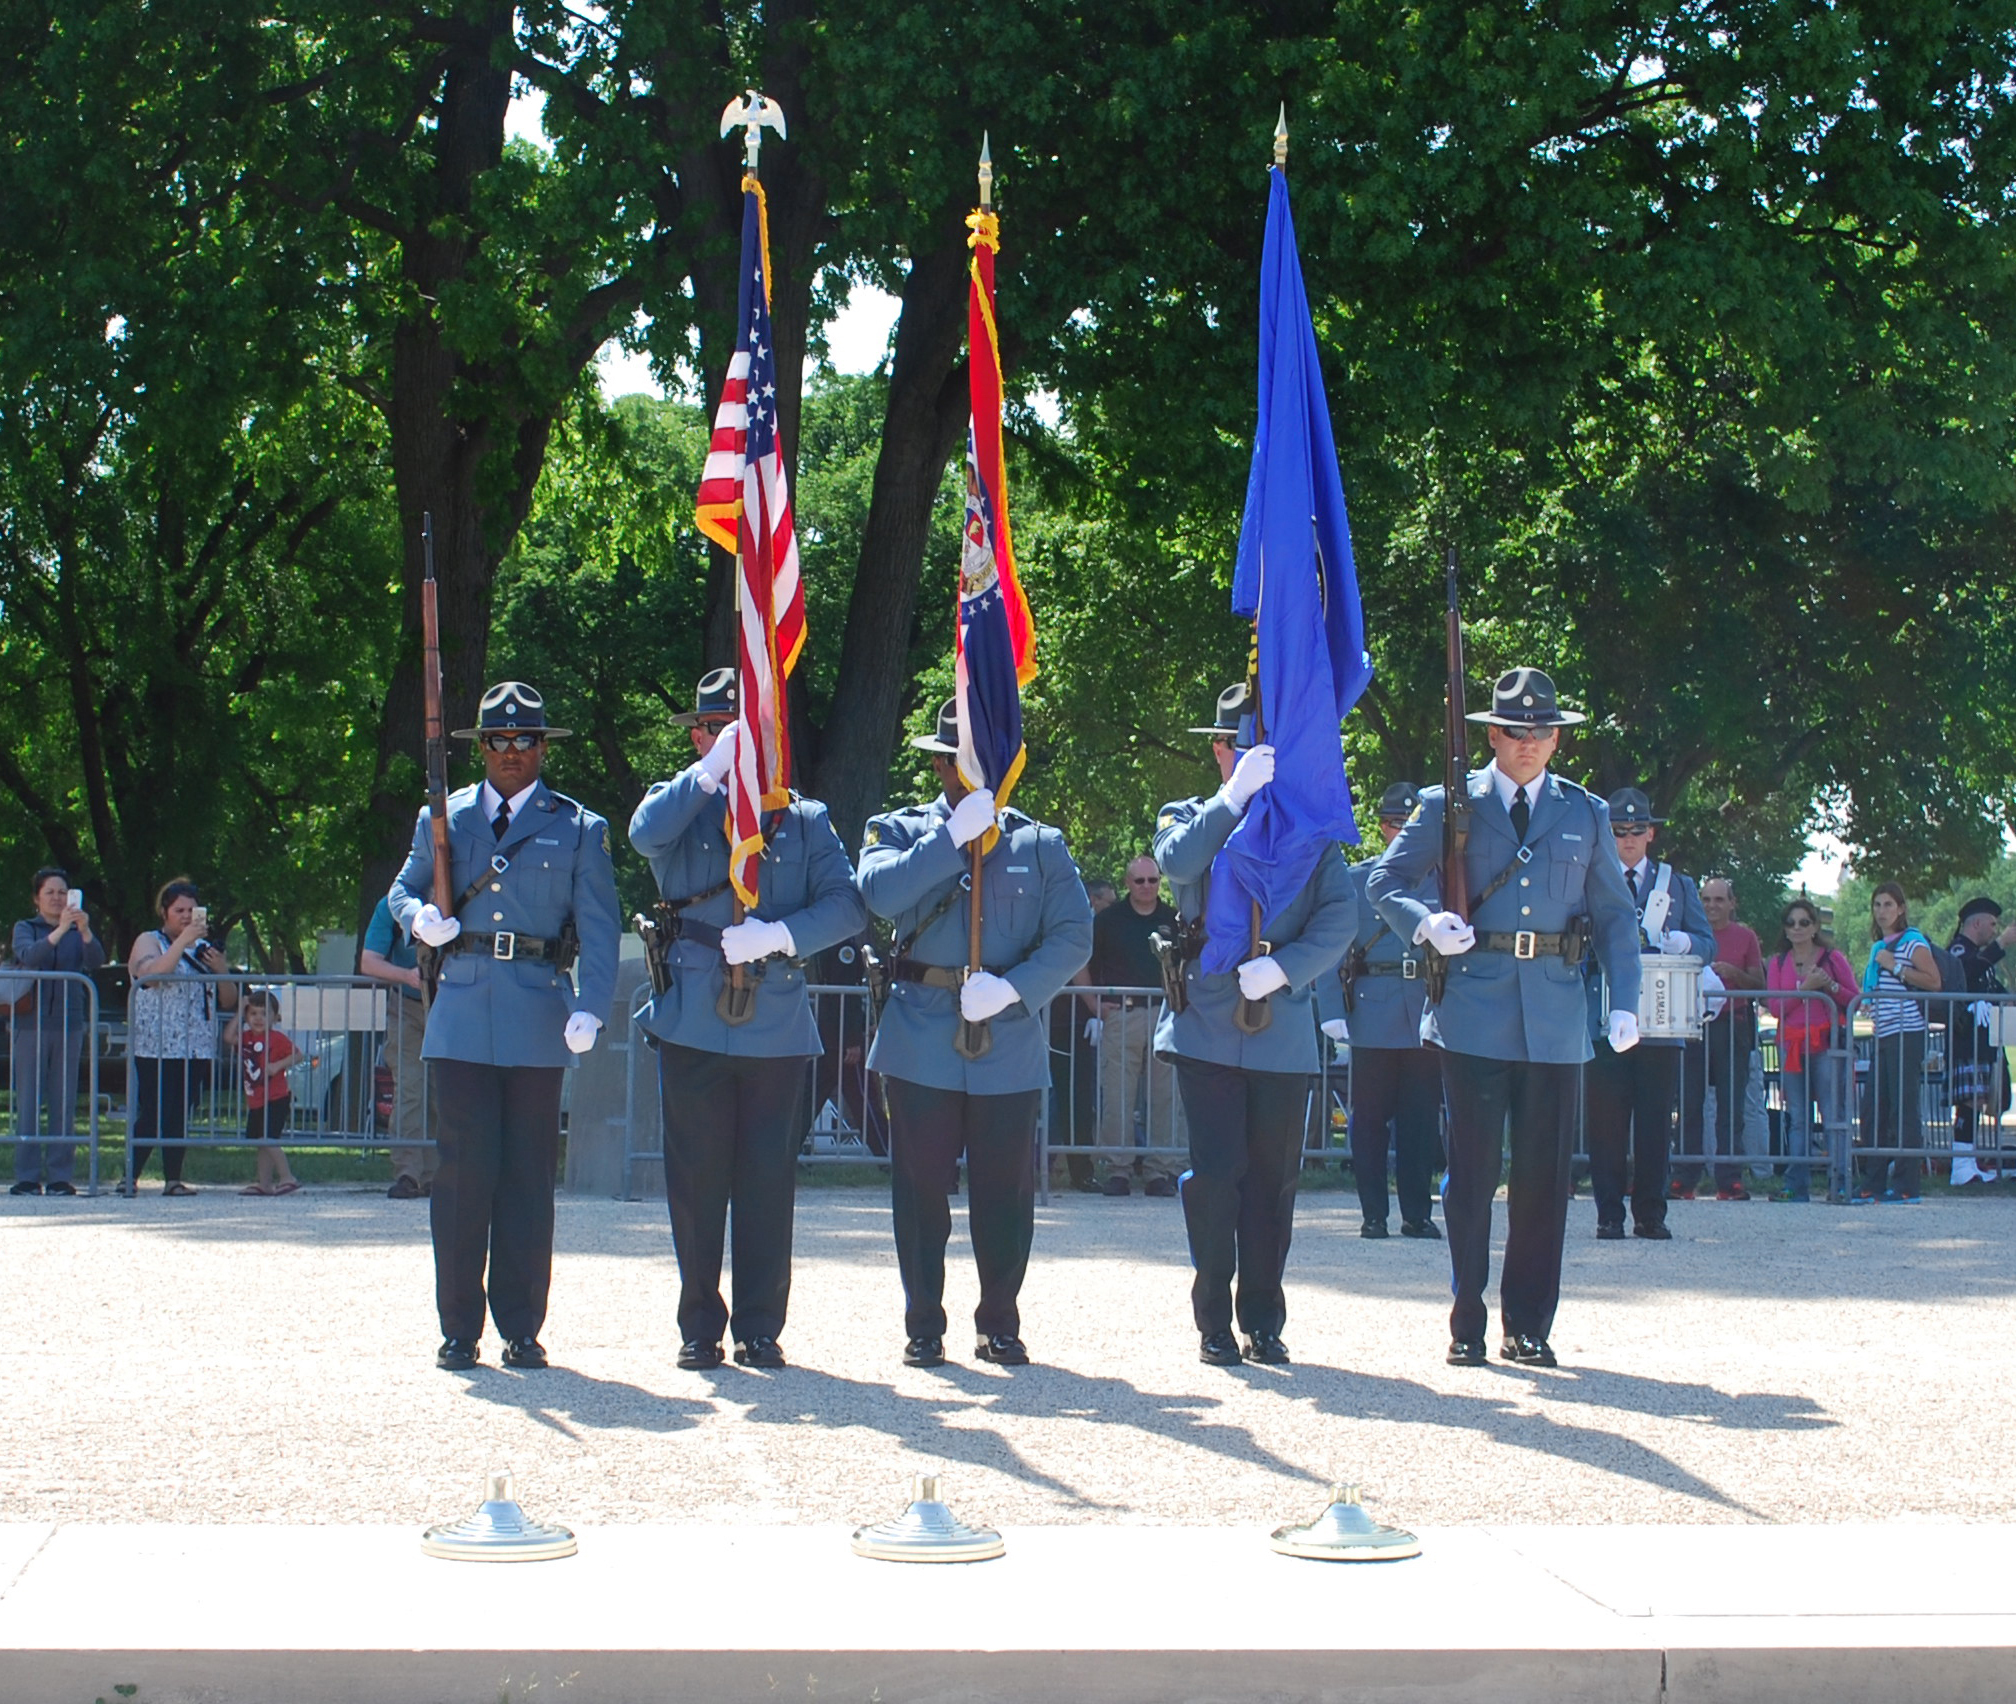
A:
997	636
745	506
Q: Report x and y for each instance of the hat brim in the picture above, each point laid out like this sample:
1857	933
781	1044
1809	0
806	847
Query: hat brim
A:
693	718
931	742
1560	719
478	733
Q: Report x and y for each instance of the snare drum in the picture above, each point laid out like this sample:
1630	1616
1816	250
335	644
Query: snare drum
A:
1669	997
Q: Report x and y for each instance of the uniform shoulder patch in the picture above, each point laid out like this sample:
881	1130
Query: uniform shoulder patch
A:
605	842
1166	819
874	835
1416	816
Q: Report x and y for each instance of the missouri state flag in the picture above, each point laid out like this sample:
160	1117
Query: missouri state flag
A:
996	654
745	506
1295	579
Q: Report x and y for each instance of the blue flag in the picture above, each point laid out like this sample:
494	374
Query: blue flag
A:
1296	580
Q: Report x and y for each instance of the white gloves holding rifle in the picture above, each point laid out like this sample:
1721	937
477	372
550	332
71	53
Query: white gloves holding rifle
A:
1261	976
1252	772
719	760
972	816
430	926
1447	933
983	994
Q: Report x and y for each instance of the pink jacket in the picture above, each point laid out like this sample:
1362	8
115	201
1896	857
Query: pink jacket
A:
1805	1011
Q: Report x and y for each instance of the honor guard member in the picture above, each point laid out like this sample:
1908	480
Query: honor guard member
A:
1245	1097
1036	931
734	1094
1375	1002
535	891
1628	1097
1512	1020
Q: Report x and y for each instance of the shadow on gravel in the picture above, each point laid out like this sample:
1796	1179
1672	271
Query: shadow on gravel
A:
563	1401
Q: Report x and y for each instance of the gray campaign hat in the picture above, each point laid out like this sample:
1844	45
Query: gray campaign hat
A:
714	696
947	738
511	707
1524	698
1399	799
1231	706
1631	808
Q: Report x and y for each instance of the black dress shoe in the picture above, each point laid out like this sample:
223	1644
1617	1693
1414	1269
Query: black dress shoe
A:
1267	1348
1527	1351
1652	1233
1420	1228
1220	1349
1609	1230
457	1354
59	1188
759	1352
25	1188
698	1357
524	1353
1373	1228
1164	1187
924	1352
403	1189
1002	1350
1466	1352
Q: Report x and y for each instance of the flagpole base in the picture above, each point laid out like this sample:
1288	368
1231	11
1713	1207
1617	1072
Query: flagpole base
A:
1344	1532
927	1531
500	1531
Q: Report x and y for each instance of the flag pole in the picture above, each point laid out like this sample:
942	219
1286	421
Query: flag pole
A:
1250	1017
974	1039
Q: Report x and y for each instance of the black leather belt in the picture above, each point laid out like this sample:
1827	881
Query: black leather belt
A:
701	934
505	945
1526	944
930	975
1407	968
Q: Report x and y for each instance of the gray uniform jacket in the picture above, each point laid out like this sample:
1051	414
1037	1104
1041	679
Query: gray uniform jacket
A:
1388	1007
492	1011
805	883
1686	913
1497	1006
1308	937
1035	929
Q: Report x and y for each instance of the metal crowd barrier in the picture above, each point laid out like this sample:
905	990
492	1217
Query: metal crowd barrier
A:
352	1072
52	1055
1917	1088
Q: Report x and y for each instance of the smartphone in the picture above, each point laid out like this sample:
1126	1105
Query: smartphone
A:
73	899
200	916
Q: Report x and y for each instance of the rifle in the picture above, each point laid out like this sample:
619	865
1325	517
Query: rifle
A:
1455	786
1250	1017
437	756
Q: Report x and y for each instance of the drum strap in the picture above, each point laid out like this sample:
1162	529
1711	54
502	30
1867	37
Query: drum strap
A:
1658	904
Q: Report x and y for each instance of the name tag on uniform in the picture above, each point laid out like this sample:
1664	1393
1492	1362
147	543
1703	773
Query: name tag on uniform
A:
1018	869
543	840
1566	836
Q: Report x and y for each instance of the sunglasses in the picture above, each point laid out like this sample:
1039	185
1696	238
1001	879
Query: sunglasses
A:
1144	881
513	742
1630	833
1521	736
1800	923
715	727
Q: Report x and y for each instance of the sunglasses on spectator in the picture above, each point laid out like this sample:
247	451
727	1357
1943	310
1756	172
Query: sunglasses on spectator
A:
1144	881
1799	923
512	742
1522	735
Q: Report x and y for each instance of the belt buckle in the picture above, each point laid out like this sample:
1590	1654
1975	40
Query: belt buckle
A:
504	945
1526	944
1410	970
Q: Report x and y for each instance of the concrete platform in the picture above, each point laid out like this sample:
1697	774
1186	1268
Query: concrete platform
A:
1105	1615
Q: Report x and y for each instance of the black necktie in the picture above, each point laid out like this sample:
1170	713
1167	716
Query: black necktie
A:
1522	813
502	820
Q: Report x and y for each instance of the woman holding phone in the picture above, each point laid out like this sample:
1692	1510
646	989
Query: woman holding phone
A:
49	1040
171	1027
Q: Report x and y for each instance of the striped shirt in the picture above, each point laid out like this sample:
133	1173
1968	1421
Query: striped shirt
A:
1895	1016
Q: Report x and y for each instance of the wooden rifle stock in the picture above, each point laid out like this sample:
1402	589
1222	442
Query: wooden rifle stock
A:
1455	784
1250	1017
437	754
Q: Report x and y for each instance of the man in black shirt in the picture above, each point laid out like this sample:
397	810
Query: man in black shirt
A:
1123	1030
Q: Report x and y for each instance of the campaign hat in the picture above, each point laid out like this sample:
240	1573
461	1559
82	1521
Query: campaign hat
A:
1630	807
946	739
714	696
1231	707
511	707
1524	698
1399	799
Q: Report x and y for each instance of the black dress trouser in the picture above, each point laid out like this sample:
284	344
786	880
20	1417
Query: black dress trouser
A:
493	1195
733	1128
928	1129
1539	1101
1630	1124
1400	1087
1239	1193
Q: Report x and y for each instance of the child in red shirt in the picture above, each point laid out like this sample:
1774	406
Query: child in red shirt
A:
263	1052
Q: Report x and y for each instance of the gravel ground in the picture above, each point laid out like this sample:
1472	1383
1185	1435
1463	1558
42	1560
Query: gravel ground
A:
218	1360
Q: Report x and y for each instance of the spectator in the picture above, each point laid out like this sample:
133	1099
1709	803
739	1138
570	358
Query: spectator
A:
263	1051
1100	894
1980	1078
1122	1030
49	1038
389	956
1900	965
170	1029
1721	1059
1812	986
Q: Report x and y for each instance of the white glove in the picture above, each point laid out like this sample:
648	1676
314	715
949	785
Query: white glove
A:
430	926
1336	1029
719	760
1260	977
1447	933
1252	772
983	994
1711	987
1094	1029
745	943
972	816
1623	1031
582	1029
1676	941
1982	1011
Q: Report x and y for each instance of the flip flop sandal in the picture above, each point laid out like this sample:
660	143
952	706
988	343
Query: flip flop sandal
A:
255	1189
283	1188
178	1188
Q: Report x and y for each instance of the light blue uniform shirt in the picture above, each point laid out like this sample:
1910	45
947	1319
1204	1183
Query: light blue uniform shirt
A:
1388	1006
